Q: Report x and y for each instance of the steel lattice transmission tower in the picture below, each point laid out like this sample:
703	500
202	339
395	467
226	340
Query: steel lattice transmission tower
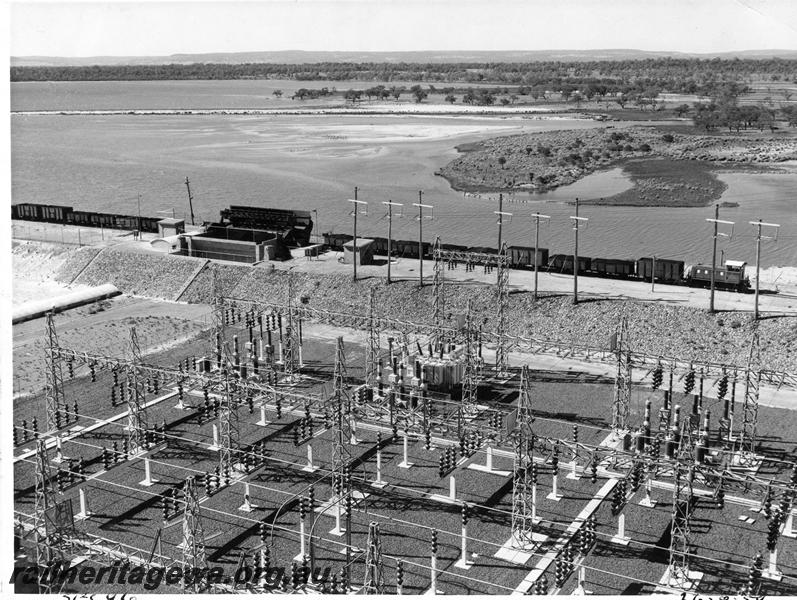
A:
439	303
136	402
622	381
470	379
228	415
194	556
290	348
54	386
682	506
501	354
522	502
372	349
48	546
747	436
374	569
343	434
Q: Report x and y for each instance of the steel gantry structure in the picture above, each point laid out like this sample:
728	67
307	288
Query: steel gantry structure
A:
500	262
522	476
137	424
752	381
55	403
622	381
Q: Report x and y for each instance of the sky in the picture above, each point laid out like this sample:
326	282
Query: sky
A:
148	28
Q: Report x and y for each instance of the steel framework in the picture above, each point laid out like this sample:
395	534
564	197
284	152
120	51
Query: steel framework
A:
48	545
194	556
374	569
54	378
137	424
372	347
470	379
622	381
682	506
523	434
747	435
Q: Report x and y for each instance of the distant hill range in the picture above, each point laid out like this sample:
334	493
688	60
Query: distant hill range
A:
302	57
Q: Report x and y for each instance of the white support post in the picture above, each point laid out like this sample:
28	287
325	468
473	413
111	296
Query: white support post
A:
647	500
788	527
263	422
302	550
353	441
573	473
379	483
301	361
247	506
215	444
338	530
452	488
554	495
84	513
580	591
59	452
772	571
180	405
621	538
489	465
463	562
406	464
279	355
534	518
310	467
148	479
433	574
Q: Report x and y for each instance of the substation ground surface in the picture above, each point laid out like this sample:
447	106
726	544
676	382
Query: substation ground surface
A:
414	500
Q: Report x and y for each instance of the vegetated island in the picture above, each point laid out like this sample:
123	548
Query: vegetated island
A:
667	168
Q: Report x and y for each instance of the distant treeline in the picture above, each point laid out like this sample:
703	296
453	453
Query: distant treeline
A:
692	76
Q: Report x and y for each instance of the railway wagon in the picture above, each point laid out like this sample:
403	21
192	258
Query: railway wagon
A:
563	263
613	267
48	213
380	245
667	271
335	241
731	276
522	257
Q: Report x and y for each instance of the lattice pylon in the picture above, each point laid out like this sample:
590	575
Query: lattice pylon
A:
682	504
47	547
218	331
137	424
470	378
523	434
502	283
229	433
374	569
372	347
341	400
622	381
194	555
54	378
437	289
752	380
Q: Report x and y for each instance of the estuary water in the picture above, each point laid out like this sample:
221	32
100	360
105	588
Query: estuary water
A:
112	163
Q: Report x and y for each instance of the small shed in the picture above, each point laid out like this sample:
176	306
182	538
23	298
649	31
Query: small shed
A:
363	253
170	227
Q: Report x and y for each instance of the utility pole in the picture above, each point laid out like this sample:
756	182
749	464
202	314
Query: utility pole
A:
138	233
355	254
759	224
716	221
390	206
576	224
190	200
537	217
420	232
500	214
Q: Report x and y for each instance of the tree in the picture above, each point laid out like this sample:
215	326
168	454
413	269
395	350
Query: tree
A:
418	93
277	93
621	99
396	92
451	98
502	161
681	110
505	101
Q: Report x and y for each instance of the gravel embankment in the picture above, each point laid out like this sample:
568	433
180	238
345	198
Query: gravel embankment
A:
546	160
150	275
75	263
657	329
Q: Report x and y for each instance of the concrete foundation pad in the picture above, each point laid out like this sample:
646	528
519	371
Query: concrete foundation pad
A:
309	469
649	503
484	469
513	552
378	484
152	481
405	465
776	576
444	499
668	582
555	497
623	541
